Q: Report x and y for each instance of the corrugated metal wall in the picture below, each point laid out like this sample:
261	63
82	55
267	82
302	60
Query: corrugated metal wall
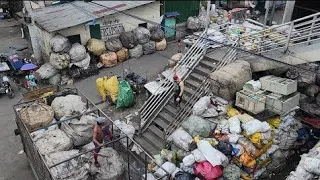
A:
185	8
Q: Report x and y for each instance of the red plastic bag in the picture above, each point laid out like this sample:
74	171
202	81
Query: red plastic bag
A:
207	171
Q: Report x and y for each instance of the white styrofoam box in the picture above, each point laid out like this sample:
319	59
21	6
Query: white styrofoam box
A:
278	85
252	102
252	85
281	104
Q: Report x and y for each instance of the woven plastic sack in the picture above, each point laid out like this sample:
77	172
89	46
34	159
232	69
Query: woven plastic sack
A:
231	172
162	45
177	57
142	35
149	47
36	115
181	138
84	63
67	105
211	154
125	96
169	167
207	171
196	126
96	46
193	23
55	80
201	105
123	54
136	52
77	52
111	85
60	44
109	59
47	70
128	40
113	44
100	88
59	61
156	33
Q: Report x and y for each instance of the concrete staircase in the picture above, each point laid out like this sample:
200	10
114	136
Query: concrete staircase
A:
153	139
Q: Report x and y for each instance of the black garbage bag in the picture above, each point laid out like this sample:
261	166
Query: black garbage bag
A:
193	146
156	33
128	40
136	78
184	176
114	44
224	147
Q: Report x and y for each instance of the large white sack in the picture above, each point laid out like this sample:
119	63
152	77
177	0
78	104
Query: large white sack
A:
193	23
311	165
127	130
189	160
212	155
77	52
53	141
84	63
168	167
181	138
47	70
60	43
72	169
210	112
68	105
80	131
201	105
198	156
224	83
300	173
196	126
254	126
234	125
60	61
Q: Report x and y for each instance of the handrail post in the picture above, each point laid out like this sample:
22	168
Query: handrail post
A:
311	29
289	36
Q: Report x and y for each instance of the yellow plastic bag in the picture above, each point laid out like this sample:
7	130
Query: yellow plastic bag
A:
111	85
247	160
45	95
274	122
264	149
256	140
232	111
196	139
100	88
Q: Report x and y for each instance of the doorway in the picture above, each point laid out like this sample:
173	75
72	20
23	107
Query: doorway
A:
74	39
145	25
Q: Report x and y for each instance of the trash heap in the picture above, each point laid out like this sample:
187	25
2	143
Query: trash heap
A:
58	143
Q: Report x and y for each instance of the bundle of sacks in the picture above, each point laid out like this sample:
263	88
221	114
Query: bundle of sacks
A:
217	141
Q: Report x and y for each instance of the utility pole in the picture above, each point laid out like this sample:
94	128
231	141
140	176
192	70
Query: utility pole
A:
266	13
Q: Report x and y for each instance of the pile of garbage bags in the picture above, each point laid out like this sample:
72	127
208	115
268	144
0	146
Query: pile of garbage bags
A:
219	141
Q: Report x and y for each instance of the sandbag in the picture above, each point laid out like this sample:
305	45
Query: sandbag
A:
53	141
46	71
181	138
168	167
201	105
77	52
149	47
80	131
156	33
162	45
96	46
128	40
212	155
67	105
125	95
59	61
142	34
73	169
193	23
36	115
234	125
114	44
109	59
111	85
198	156
60	44
55	80
177	57
224	147
207	171
100	88
112	165
184	176
189	160
136	52
196	126
123	54
231	172
224	83
84	63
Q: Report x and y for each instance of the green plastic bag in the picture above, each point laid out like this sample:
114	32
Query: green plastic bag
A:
125	95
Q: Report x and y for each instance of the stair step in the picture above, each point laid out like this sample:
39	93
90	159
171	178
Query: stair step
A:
189	91
159	122
156	131
153	140
207	64
202	71
193	84
171	109
146	145
165	116
197	77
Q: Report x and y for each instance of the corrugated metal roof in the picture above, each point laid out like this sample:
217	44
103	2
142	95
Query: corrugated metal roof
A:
57	17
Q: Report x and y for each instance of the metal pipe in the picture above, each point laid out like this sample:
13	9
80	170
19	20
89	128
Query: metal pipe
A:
208	15
266	13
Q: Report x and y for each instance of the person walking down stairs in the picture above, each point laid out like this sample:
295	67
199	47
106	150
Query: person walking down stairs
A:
178	90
